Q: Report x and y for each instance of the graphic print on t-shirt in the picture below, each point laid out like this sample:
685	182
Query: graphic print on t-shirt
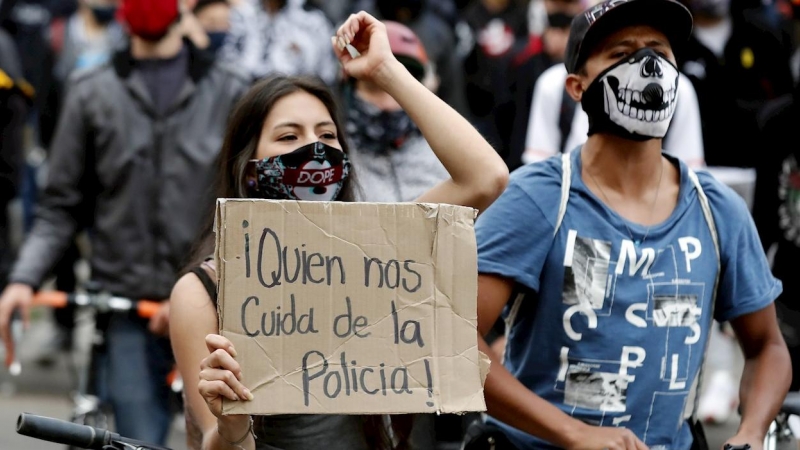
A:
653	290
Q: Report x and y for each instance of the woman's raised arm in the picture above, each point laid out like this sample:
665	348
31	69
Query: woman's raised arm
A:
477	173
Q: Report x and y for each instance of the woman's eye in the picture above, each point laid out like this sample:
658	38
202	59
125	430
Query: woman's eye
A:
619	54
288	137
329	136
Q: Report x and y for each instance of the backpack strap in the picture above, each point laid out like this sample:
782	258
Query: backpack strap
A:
566	182
712	227
211	286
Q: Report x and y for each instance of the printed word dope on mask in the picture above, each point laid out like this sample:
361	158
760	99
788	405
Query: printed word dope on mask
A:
312	177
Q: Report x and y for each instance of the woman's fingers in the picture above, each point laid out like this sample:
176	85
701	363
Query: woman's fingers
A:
211	390
237	389
221	359
215	342
348	33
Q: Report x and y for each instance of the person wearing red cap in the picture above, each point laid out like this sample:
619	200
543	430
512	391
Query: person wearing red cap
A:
395	162
611	262
133	155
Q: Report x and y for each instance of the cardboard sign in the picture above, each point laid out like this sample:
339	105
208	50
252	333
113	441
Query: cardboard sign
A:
350	308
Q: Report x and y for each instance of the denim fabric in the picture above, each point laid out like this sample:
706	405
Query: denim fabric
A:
137	365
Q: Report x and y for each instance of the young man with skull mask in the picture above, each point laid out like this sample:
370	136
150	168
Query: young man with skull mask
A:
609	263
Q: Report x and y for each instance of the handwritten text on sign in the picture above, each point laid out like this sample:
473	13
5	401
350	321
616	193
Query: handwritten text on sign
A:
350	307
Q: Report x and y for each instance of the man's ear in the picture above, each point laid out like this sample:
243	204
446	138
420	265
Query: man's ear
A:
575	87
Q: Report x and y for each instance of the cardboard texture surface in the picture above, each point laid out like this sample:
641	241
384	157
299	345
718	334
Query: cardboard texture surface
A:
350	308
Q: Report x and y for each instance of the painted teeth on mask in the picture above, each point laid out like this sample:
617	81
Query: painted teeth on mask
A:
624	97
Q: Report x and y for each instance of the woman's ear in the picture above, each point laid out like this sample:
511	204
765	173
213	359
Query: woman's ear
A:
575	87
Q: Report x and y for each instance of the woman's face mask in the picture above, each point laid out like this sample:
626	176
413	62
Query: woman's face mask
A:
635	98
313	172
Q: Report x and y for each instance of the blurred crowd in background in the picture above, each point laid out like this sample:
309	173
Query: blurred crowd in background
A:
498	62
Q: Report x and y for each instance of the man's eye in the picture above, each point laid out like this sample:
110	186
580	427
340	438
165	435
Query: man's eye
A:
619	54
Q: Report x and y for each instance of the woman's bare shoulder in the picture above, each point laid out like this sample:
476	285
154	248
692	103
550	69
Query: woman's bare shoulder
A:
190	293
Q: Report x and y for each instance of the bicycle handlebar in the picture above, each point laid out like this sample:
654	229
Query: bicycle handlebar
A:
68	433
56	299
62	432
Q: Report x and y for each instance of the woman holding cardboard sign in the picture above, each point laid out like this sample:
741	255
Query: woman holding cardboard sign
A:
283	130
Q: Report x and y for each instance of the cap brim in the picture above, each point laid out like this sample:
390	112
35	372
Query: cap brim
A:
667	16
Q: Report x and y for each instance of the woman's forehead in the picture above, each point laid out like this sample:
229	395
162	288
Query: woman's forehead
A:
300	108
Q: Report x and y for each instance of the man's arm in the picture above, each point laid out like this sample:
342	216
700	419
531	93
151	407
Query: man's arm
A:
766	376
511	402
57	214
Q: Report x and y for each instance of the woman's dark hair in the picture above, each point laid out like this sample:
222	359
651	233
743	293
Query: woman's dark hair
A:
239	147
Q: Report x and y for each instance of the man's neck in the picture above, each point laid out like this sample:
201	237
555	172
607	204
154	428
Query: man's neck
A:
166	48
628	167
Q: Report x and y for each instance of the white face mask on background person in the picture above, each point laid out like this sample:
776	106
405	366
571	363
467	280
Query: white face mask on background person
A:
635	98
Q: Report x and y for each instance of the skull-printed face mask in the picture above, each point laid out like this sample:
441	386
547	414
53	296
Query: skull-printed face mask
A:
313	172
635	98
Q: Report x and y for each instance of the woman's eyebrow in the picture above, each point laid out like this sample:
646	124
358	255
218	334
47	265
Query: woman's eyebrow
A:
288	125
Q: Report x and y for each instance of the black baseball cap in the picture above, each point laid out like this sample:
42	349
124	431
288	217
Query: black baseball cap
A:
593	25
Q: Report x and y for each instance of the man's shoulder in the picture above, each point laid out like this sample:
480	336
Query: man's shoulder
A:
727	205
91	74
93	79
539	180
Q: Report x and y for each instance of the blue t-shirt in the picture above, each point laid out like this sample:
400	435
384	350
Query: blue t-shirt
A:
617	332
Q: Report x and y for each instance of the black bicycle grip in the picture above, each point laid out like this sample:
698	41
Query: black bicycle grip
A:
62	432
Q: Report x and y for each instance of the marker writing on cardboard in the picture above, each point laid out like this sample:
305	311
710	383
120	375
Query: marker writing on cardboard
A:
308	267
343	379
285	324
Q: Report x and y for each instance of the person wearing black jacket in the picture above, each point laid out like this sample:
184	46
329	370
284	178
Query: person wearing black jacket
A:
776	210
133	157
737	63
15	97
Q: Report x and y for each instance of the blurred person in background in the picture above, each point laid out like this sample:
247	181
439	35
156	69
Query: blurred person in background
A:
86	39
15	100
28	22
736	62
500	30
776	206
214	17
280	36
135	137
394	162
432	21
545	49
